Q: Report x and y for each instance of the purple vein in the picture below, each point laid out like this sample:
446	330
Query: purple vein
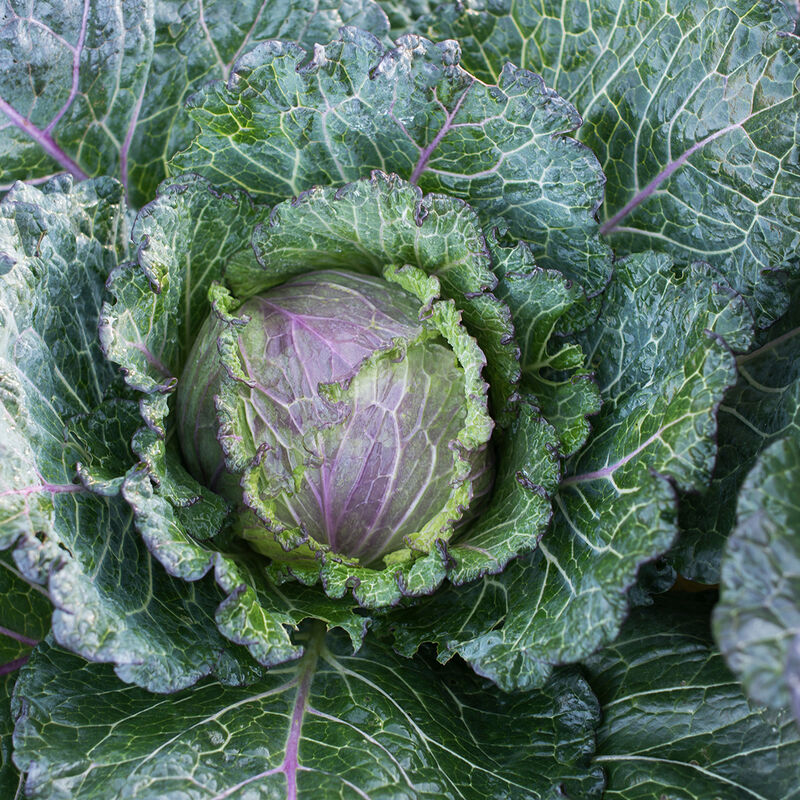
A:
76	69
151	358
291	760
427	151
18	636
44	140
14	665
609	470
609	225
68	488
126	145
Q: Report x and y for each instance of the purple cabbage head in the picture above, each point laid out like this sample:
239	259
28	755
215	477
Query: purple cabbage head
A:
354	406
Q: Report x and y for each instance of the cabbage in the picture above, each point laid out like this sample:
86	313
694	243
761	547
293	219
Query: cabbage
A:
354	404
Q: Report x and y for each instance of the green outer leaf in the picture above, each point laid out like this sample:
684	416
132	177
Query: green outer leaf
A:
690	106
759	409
99	88
332	725
557	377
661	349
72	76
183	240
200	40
24	620
284	123
675	722
757	621
65	417
254	613
519	510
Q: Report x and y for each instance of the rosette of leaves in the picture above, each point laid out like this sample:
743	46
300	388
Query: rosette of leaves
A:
284	122
475	203
71	506
435	267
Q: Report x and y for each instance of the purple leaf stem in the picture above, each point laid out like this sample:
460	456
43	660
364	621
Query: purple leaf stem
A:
13	666
21	638
427	151
44	140
610	224
76	69
610	469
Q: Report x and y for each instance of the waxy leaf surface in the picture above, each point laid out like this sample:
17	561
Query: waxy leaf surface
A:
334	724
691	107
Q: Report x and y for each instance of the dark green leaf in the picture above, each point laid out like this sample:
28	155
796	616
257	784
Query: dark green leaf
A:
24	621
285	122
757	622
556	376
331	725
65	424
99	88
72	78
691	107
675	722
759	409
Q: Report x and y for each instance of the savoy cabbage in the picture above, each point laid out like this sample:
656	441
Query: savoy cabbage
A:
374	377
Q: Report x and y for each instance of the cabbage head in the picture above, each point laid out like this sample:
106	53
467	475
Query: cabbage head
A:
357	407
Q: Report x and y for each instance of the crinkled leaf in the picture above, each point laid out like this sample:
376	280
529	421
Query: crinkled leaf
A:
405	17
691	107
759	409
662	358
24	621
65	434
519	510
72	77
332	725
99	88
285	122
254	613
675	721
556	376
11	781
184	240
757	621
200	40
